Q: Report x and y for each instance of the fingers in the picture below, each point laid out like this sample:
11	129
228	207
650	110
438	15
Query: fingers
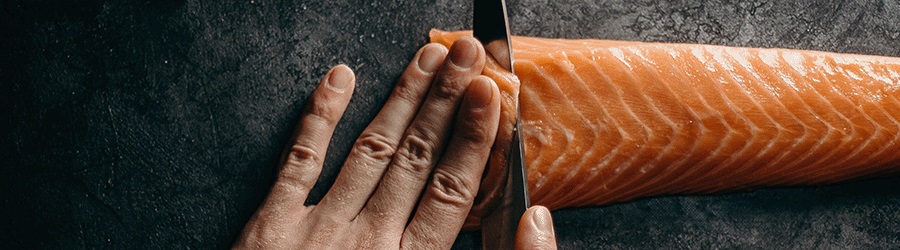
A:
303	160
284	207
424	141
536	230
375	147
449	196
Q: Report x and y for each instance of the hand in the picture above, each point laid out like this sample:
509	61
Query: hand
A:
536	230
433	136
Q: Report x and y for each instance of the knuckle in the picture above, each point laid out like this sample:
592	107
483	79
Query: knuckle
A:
292	185
475	132
416	154
450	189
407	87
408	80
375	146
449	86
300	154
299	164
320	107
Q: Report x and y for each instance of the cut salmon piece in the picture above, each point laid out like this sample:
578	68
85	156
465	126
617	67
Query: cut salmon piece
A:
611	121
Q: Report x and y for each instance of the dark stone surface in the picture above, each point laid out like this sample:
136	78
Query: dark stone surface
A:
158	124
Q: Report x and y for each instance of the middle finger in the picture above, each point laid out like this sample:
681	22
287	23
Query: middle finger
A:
372	152
425	139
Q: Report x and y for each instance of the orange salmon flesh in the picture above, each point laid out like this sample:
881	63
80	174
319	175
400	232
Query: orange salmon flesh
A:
611	121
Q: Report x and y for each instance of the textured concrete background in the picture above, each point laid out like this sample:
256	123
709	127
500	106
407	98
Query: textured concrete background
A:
158	124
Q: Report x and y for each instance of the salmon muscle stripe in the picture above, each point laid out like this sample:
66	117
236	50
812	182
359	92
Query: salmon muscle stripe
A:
611	121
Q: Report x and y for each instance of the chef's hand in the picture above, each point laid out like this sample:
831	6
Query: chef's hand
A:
412	175
536	230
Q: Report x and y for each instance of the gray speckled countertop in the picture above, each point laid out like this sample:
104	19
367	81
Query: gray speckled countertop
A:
158	124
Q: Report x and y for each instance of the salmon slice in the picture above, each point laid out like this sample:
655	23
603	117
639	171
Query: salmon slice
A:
611	121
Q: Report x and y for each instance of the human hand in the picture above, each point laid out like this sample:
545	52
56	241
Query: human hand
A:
410	178
535	230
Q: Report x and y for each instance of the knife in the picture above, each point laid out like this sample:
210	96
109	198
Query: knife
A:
498	231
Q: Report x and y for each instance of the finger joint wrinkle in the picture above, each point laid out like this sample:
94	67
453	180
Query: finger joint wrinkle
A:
416	155
450	87
474	132
406	88
451	189
301	161
322	109
376	146
301	154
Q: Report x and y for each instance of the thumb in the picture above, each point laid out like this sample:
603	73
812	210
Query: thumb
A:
536	230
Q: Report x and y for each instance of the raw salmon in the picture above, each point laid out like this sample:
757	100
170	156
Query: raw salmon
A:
610	121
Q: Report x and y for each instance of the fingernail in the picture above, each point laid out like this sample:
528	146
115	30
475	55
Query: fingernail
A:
431	57
463	53
542	220
482	93
340	78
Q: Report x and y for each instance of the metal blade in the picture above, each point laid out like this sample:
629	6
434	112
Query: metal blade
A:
489	25
498	230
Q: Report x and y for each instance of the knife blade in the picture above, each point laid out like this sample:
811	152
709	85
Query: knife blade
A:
490	26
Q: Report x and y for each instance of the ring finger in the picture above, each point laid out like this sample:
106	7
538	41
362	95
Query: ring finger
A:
425	139
375	147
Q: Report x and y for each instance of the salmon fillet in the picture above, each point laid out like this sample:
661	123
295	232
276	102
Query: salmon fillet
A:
611	121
